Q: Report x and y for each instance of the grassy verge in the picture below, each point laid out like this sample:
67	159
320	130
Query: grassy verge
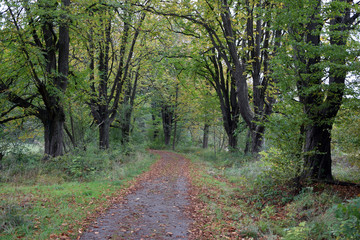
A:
241	200
55	198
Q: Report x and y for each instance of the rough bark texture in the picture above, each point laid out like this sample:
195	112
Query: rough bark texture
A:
206	136
318	145
53	133
104	130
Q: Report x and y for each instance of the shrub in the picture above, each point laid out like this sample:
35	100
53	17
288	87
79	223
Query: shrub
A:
348	216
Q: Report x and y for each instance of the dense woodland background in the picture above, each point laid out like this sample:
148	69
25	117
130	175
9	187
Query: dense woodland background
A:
264	91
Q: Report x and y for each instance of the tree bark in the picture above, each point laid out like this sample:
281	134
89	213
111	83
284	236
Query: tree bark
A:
167	120
54	132
1	157
206	135
318	152
257	138
125	125
104	132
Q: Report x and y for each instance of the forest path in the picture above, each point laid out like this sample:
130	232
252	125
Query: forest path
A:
155	210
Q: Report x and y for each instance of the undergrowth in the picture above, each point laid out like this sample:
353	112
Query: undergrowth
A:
244	200
42	199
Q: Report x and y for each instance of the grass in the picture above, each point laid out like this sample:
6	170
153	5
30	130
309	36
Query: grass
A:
243	201
53	199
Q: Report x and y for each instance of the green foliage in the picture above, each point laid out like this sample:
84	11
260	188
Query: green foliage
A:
284	157
317	216
346	133
300	232
348	220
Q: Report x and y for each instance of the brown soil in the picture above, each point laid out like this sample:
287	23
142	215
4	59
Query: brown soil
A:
155	210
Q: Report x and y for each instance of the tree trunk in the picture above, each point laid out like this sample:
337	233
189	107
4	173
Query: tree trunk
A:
125	124
104	132
54	132
232	141
248	142
206	135
257	139
318	153
1	157
174	139
167	118
155	126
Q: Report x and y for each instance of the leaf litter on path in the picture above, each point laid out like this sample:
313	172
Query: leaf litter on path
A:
155	210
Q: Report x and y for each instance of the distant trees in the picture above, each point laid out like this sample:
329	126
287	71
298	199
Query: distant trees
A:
234	40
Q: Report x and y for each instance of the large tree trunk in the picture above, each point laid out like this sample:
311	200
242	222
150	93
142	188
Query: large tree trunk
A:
104	132
206	135
54	132
232	141
317	151
257	138
321	106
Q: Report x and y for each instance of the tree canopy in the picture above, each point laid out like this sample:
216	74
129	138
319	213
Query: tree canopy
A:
277	75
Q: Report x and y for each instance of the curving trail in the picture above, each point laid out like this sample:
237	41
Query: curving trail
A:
156	210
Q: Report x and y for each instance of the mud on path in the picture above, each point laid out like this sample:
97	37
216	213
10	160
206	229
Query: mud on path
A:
155	210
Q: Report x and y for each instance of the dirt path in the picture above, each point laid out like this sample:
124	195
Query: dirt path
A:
156	210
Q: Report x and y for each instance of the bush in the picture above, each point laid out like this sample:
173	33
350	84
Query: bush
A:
340	221
348	216
283	166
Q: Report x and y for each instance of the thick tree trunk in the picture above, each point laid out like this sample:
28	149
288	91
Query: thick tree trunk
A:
257	139
54	132
104	132
317	151
232	141
206	135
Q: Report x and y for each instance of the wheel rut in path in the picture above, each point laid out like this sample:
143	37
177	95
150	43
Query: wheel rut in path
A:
156	210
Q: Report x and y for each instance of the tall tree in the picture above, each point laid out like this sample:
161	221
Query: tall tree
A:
320	63
35	40
111	34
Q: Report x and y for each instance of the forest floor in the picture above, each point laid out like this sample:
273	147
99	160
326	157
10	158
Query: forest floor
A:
158	207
